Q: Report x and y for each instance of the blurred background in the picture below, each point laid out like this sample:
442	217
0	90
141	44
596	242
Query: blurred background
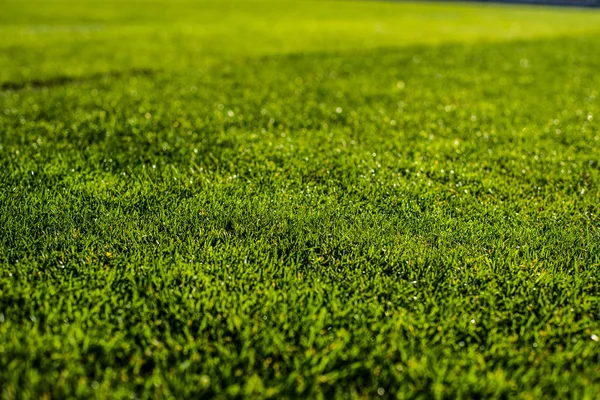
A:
47	39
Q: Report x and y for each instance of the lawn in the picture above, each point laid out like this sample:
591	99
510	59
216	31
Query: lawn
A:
298	199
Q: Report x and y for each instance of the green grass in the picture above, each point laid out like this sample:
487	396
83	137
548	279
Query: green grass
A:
298	199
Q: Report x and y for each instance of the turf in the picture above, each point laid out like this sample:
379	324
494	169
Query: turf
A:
298	199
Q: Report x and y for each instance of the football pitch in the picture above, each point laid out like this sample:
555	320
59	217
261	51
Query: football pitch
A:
299	199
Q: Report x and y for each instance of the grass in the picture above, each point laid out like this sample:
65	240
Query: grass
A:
298	199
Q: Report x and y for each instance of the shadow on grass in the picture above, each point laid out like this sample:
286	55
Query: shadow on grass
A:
66	80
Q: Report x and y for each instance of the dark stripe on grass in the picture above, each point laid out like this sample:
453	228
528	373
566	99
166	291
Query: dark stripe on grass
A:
67	80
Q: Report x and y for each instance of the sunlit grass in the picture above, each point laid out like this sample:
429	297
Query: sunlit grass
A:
48	38
299	199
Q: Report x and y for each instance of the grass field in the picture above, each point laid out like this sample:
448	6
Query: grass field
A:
298	199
